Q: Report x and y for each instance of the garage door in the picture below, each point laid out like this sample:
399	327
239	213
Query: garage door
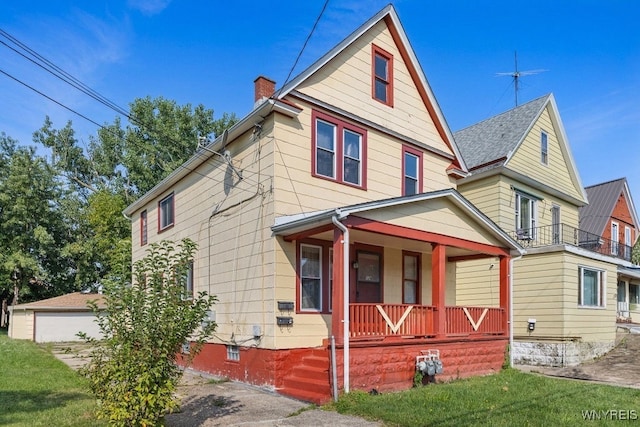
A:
63	326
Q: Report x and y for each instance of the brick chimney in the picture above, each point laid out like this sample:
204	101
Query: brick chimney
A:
263	88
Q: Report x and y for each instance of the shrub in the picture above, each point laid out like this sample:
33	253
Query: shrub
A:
133	371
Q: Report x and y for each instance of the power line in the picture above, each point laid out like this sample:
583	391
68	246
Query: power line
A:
112	132
79	85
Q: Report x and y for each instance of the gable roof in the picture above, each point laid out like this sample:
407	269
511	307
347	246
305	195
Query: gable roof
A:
490	142
389	15
602	201
277	103
73	301
290	224
488	146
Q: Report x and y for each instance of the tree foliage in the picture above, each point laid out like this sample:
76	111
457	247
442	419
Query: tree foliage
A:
32	228
132	371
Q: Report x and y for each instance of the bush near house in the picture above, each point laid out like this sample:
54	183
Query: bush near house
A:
133	371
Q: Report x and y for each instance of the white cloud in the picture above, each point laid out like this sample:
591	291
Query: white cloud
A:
149	7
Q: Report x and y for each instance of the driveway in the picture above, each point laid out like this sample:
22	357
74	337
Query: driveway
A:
621	366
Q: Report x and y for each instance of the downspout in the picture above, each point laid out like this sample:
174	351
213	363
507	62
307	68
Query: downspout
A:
511	260
345	288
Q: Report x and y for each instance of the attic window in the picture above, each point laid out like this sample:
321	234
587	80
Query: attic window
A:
544	148
382	75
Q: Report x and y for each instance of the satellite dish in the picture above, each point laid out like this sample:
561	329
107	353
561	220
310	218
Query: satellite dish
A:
225	136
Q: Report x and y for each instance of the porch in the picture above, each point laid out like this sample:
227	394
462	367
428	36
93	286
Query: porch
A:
383	322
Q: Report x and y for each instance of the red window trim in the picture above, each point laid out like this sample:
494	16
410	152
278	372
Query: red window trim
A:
160	229
325	245
340	126
144	228
418	255
419	154
378	51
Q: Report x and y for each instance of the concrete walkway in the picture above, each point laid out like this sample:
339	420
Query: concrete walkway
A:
207	402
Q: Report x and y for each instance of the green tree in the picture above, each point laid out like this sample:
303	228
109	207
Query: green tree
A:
32	229
121	163
133	371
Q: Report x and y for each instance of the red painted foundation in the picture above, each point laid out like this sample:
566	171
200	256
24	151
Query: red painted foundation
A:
385	366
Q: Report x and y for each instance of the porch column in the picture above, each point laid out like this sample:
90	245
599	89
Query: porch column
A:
337	294
504	291
438	284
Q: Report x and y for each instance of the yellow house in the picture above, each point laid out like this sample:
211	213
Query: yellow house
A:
329	227
523	177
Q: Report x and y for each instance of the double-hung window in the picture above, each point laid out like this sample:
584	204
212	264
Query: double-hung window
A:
544	148
411	171
410	278
166	212
525	216
592	287
339	151
310	278
143	228
382	75
189	280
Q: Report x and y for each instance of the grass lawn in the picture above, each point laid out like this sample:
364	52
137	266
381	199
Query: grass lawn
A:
510	398
36	389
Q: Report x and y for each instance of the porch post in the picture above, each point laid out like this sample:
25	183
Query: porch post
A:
337	295
438	284
504	291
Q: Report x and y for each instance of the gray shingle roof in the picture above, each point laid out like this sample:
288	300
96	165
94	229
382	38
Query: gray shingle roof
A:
492	140
602	199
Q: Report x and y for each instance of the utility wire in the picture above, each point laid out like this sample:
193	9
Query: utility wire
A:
66	77
182	166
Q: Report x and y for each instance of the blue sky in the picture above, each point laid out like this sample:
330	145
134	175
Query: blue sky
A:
210	52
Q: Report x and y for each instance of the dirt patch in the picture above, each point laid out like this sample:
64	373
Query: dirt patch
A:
621	366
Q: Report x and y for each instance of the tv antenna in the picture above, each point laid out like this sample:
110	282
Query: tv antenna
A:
517	74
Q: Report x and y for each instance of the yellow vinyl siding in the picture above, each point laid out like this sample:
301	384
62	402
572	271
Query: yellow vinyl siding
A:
546	288
298	191
346	80
527	160
230	221
495	197
478	282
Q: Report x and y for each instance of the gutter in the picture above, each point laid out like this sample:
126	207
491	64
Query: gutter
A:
345	289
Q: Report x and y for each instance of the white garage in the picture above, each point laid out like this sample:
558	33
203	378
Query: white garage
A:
55	319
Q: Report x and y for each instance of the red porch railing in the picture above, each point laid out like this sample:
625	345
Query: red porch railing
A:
474	320
402	320
381	320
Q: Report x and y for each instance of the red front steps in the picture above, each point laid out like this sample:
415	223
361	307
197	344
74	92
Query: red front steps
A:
308	380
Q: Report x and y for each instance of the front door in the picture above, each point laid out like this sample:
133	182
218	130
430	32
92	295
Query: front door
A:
368	276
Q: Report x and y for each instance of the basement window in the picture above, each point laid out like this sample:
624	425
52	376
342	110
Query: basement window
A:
233	353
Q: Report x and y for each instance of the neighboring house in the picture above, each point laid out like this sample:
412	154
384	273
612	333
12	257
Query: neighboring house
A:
523	177
611	223
55	319
330	214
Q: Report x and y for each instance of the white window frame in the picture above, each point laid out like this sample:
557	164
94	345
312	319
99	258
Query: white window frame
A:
348	156
233	353
166	212
544	148
414	179
333	151
319	278
615	238
526	233
627	242
601	302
